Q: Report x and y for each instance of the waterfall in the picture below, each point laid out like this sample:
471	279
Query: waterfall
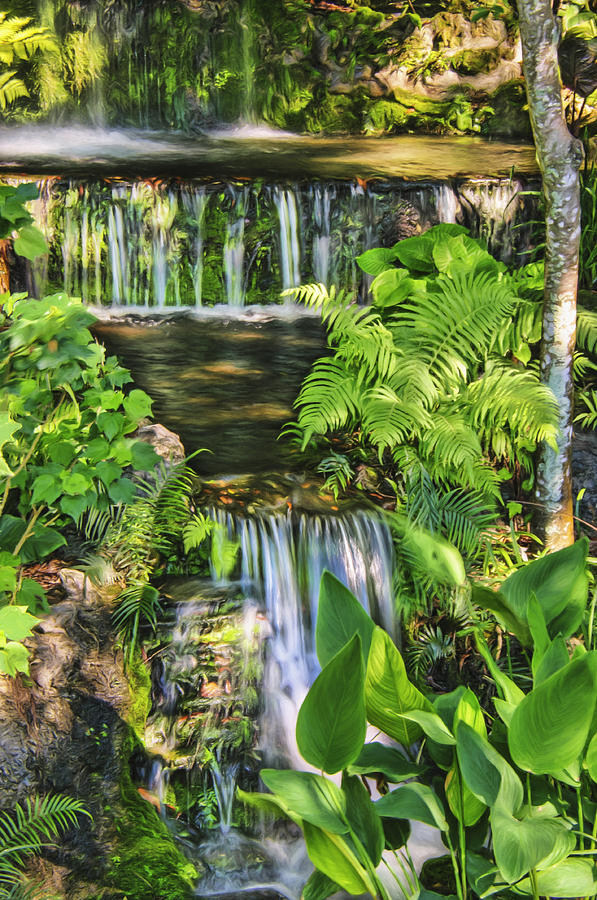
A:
322	217
285	200
161	244
195	203
282	559
234	249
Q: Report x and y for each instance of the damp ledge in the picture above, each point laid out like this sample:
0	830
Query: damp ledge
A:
255	153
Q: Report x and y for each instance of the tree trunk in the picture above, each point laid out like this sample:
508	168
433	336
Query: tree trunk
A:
4	267
559	155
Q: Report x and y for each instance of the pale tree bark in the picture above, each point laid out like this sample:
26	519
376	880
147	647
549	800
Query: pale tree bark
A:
559	155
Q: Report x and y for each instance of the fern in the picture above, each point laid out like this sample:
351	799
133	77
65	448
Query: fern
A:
424	371
33	826
588	417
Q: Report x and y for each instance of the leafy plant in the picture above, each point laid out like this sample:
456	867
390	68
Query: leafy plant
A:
19	40
28	830
16	219
527	784
64	435
432	375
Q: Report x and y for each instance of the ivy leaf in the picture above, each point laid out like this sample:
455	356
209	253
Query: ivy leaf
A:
137	405
16	622
14	657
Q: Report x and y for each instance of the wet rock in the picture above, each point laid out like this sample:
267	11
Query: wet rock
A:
166	443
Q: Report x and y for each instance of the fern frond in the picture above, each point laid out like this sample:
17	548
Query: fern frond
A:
328	400
586	331
508	399
587	418
11	88
32	826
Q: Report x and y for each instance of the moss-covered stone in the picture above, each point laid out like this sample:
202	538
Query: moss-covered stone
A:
139	681
472	62
511	117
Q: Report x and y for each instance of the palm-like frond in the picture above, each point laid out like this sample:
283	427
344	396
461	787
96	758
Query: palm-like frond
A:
454	327
11	88
587	418
32	826
586	331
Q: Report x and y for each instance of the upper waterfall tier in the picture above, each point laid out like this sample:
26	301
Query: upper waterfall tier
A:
254	152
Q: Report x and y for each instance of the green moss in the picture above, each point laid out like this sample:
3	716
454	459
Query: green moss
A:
472	62
384	117
146	864
511	118
139	682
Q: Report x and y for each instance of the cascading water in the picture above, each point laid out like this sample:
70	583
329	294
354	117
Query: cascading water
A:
256	624
290	251
196	243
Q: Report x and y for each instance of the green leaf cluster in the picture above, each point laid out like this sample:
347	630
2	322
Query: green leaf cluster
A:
432	375
512	797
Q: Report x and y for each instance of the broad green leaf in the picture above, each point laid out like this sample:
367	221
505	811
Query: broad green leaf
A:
489	776
32	595
470	713
396	832
413	801
558	580
310	797
483	876
507	688
331	724
555	658
122	491
550	726
416	253
74	506
319	887
496	603
333	856
363	817
339	617
137	405
14	657
432	725
376	759
520	846
268	803
30	243
539	632
16	622
591	758
568	878
8	429
388	692
467	808
8	579
377	260
391	287
143	456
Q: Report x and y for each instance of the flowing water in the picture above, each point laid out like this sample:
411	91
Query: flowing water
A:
160	244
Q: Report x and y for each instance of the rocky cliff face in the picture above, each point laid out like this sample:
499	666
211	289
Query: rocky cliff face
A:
71	729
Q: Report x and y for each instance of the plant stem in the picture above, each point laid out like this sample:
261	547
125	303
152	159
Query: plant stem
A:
581	821
462	838
454	867
591	620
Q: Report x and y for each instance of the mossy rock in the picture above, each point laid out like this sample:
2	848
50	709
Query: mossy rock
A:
139	681
472	62
511	118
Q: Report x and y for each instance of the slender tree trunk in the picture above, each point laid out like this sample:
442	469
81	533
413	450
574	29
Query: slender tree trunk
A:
4	267
559	155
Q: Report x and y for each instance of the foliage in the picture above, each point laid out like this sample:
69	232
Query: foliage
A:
527	784
15	219
432	375
19	40
31	827
64	437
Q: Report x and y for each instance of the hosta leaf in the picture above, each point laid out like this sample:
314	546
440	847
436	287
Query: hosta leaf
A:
332	855
467	808
489	776
388	692
432	725
309	796
363	817
520	846
331	724
568	878
413	801
339	617
551	724
376	759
